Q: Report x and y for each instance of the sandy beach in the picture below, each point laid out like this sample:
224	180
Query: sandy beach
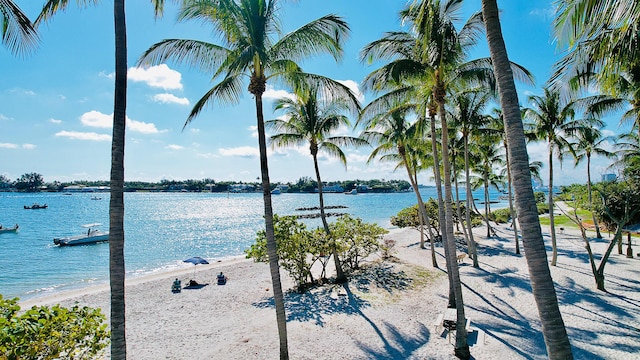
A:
386	312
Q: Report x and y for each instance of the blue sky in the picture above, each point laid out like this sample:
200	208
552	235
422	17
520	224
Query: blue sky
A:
56	104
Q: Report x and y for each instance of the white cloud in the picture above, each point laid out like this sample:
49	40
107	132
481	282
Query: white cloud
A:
8	146
22	92
354	87
159	76
91	136
170	99
254	131
28	146
55	121
242	151
97	119
273	94
142	127
208	155
2	117
174	147
545	14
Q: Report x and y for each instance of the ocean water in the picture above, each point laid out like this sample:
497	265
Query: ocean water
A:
161	230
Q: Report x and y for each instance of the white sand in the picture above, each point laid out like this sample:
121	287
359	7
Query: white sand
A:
377	317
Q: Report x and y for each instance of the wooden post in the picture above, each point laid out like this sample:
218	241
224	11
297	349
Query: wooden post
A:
629	251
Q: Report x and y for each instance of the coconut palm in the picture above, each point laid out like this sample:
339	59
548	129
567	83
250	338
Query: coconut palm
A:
253	48
490	156
311	118
589	141
553	329
18	33
116	204
552	120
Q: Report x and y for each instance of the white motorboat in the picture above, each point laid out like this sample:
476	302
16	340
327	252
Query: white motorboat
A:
92	236
8	229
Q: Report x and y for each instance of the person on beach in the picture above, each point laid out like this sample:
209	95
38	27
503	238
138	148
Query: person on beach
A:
177	286
222	279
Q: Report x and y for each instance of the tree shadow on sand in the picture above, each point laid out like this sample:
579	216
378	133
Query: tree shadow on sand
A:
375	279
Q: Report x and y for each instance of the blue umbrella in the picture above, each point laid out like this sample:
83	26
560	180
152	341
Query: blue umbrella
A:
195	261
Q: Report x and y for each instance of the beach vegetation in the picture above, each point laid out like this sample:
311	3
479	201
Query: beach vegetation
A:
312	118
55	332
30	182
500	216
540	197
408	217
299	248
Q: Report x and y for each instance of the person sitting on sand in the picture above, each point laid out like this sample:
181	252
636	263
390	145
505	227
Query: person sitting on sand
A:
193	283
177	285
222	279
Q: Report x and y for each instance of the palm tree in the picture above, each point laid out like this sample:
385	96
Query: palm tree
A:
116	204
553	329
489	156
18	33
250	50
311	118
602	40
552	120
589	141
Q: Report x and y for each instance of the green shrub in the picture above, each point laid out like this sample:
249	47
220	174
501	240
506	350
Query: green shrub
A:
500	216
540	197
542	208
51	332
355	239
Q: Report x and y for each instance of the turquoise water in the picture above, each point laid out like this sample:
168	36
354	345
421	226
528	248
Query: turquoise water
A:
161	230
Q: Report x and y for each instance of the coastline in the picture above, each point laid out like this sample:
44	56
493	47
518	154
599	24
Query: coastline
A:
374	317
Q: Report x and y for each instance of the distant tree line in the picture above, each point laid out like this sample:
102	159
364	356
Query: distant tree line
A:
34	182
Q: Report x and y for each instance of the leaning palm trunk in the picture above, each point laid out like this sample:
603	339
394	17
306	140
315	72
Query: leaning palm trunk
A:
441	212
116	202
421	208
514	216
458	211
487	210
340	277
257	87
469	204
553	330
461	347
552	226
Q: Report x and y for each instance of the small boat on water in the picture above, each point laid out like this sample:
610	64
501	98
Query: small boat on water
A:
8	229
276	191
352	192
92	236
36	206
96	198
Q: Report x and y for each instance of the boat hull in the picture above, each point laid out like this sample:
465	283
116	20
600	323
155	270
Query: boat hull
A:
9	230
82	239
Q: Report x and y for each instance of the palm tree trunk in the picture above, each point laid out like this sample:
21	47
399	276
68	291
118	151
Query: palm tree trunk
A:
593	214
514	221
553	330
274	267
458	211
552	227
462	347
340	276
470	203
486	202
116	202
421	208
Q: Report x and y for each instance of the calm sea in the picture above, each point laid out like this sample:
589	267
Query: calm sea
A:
161	230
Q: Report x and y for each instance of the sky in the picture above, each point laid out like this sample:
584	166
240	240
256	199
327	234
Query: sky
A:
56	104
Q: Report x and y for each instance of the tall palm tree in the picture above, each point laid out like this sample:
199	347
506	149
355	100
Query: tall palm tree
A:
601	37
18	33
552	120
116	204
489	156
252	48
553	329
589	141
312	117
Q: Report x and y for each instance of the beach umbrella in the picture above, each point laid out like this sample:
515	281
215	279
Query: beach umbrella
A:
195	261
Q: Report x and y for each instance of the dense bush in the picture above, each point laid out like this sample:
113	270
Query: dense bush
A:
540	197
542	208
299	248
408	217
51	332
500	216
356	240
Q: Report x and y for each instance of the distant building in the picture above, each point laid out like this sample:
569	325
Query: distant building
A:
239	188
608	177
331	189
